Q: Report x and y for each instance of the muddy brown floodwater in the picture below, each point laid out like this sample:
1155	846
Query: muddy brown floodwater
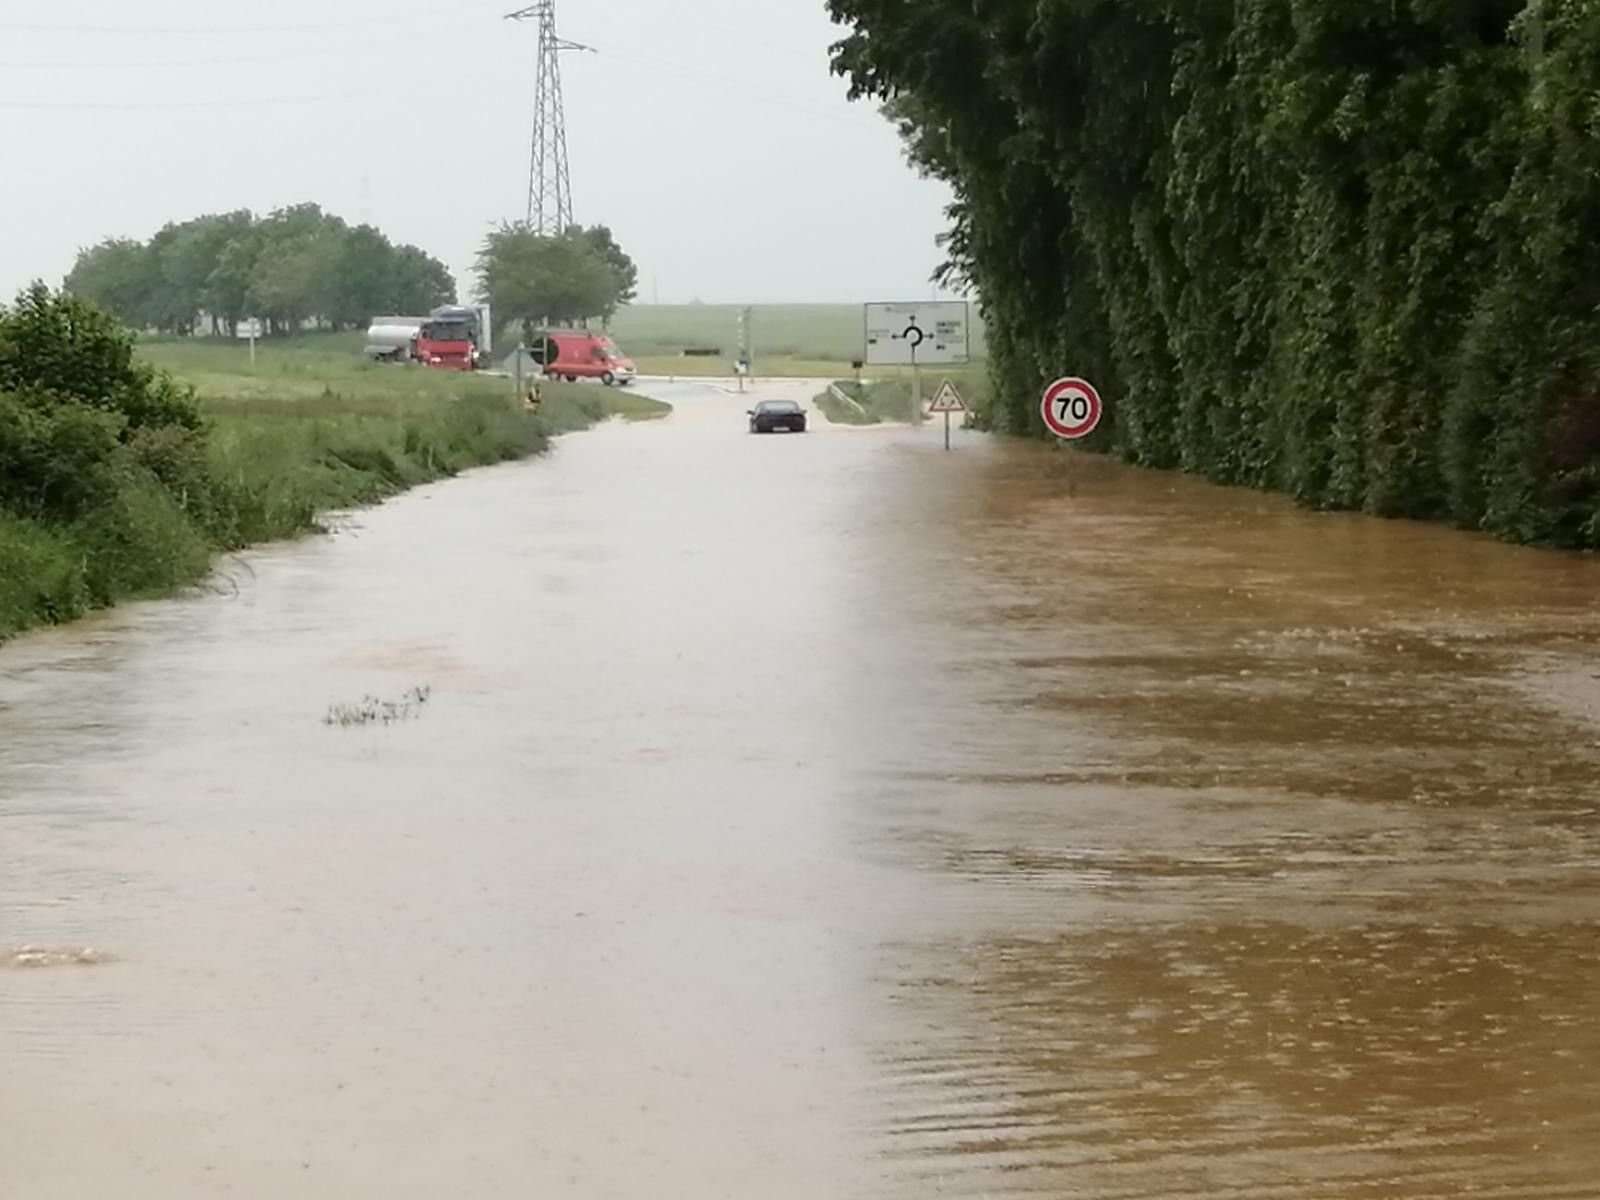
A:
813	817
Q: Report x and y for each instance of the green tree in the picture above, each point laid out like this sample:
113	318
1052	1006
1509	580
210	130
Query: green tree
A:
227	292
175	298
293	280
419	283
363	278
536	279
286	280
57	348
189	257
120	276
624	273
298	264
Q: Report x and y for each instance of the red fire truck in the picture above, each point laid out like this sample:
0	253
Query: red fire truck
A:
452	338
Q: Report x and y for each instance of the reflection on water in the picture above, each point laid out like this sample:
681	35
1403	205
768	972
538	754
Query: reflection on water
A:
816	817
1404	1059
1263	856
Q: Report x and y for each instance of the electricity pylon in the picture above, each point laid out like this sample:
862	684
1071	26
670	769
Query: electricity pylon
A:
549	177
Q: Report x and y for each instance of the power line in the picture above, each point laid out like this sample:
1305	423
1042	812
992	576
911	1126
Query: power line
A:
549	174
380	15
322	50
174	30
170	106
725	86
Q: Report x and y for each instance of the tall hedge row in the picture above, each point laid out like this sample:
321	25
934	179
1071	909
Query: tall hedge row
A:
1344	248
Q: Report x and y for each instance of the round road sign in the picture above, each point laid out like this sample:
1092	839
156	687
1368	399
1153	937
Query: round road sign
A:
1072	409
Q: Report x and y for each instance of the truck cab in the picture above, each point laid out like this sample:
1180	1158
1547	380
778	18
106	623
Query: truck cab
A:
451	338
455	338
448	343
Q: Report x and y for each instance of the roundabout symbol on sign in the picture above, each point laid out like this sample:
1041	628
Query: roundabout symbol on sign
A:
1072	409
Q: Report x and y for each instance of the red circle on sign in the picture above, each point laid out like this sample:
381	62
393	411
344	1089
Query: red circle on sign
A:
1072	408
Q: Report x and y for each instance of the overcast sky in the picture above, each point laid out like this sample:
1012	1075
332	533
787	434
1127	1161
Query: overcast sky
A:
710	136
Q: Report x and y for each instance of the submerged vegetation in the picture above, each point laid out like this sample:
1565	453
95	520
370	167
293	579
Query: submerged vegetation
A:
373	711
851	403
875	402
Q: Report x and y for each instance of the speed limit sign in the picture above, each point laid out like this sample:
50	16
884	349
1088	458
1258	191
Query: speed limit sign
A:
1072	409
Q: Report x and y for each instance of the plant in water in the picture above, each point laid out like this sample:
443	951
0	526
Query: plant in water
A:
373	711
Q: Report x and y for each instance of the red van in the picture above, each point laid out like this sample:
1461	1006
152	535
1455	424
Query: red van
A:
574	354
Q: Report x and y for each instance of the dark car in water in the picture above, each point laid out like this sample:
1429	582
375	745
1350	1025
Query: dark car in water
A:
772	415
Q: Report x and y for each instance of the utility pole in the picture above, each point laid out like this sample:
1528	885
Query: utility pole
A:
750	341
549	177
916	389
747	353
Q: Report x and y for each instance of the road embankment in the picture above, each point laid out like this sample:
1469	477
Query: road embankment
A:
125	470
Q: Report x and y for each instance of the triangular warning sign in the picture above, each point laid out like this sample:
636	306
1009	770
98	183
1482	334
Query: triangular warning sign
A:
948	400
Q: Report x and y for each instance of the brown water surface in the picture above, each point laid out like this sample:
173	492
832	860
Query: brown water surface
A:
813	817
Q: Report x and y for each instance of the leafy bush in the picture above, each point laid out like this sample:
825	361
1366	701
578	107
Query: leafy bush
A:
57	461
41	576
57	348
140	543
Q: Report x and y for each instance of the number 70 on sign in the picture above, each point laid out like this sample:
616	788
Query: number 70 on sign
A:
1072	408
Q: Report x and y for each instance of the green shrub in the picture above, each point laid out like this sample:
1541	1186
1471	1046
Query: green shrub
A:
57	460
57	346
41	576
140	543
841	413
179	460
879	401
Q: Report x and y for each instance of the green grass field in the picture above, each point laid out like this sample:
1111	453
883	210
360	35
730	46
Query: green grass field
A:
318	426
321	376
791	340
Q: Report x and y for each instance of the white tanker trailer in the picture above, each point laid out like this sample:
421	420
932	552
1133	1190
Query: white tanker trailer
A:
394	339
453	336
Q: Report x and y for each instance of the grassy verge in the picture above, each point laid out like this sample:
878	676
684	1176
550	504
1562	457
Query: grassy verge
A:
309	428
889	399
843	411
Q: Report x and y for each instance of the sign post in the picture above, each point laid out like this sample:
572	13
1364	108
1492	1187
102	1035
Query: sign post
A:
250	328
747	350
947	401
1072	408
917	334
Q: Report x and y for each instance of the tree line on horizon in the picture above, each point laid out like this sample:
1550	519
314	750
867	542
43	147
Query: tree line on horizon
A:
301	266
294	267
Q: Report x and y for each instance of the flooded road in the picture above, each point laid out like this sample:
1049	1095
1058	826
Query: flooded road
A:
813	817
